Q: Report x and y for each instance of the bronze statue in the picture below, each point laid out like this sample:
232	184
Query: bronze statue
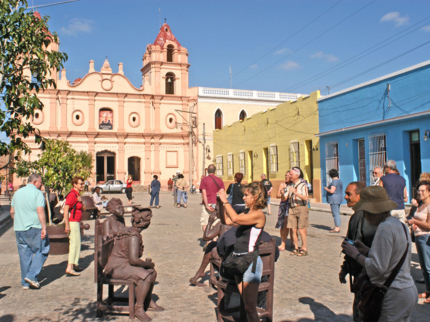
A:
211	249
113	224
125	262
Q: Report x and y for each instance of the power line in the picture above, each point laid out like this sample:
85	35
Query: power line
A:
379	65
51	4
348	61
317	37
270	51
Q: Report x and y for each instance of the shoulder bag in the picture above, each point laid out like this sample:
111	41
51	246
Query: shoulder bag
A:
236	264
373	295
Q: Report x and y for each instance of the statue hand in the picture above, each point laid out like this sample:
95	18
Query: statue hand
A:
149	265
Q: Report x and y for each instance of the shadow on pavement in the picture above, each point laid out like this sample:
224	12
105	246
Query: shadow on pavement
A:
321	312
7	318
8	225
2	289
322	227
53	272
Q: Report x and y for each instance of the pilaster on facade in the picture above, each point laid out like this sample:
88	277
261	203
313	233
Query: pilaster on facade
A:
52	110
157	105
91	111
63	103
121	98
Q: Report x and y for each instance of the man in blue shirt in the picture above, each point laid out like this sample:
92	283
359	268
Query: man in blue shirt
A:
28	213
395	185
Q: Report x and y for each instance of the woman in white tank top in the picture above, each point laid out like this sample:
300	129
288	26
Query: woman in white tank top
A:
421	226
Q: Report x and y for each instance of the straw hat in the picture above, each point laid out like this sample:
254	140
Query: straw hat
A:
374	200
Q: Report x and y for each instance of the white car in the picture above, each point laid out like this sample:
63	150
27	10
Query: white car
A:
112	186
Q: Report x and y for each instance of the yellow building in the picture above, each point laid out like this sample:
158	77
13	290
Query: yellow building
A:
272	142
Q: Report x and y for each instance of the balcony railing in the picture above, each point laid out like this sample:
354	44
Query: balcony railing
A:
245	94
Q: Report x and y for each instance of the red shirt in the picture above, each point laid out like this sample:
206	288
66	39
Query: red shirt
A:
211	188
71	200
129	182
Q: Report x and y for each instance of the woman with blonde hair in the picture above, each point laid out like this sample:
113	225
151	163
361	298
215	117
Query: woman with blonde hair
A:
250	225
129	189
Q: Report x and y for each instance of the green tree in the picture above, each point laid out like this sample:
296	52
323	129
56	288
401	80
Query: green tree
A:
57	165
24	42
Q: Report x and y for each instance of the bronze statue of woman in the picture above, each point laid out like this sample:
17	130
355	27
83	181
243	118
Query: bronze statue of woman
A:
125	263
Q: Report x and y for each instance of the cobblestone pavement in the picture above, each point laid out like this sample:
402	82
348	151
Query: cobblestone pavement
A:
306	288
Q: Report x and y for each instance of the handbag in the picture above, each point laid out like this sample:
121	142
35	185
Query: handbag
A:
230	196
372	295
237	264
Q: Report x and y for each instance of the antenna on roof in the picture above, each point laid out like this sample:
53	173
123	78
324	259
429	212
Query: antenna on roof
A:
159	17
231	77
165	20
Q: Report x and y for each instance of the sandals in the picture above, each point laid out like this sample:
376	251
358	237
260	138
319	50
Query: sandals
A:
334	231
423	295
73	273
302	252
295	252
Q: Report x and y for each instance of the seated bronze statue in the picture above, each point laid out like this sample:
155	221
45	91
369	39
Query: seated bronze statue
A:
210	249
113	224
125	263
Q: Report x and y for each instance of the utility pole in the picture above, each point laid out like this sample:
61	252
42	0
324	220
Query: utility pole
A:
204	151
190	126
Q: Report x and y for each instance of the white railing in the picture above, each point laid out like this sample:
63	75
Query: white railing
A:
245	94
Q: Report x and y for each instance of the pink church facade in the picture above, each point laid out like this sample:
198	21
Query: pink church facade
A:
144	131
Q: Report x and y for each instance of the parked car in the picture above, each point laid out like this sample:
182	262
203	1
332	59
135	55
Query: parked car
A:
112	186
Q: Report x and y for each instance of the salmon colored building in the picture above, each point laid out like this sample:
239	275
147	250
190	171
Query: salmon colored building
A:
143	131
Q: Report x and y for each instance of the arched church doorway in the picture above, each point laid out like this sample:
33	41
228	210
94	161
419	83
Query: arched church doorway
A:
134	168
105	166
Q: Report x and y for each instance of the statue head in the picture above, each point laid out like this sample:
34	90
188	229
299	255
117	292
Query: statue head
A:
141	218
115	207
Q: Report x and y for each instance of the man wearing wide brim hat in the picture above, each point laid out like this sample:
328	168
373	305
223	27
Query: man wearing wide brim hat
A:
391	246
374	200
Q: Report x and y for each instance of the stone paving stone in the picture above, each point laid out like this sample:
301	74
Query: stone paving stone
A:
306	288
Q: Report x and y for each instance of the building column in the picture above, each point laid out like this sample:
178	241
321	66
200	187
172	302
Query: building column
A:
121	98
186	158
53	111
91	111
121	159
147	103
92	151
63	102
157	169
157	79
157	103
147	170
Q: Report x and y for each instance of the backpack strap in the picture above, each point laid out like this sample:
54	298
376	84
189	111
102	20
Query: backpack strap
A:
74	206
215	182
399	265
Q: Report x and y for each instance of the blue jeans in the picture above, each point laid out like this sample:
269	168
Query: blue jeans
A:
32	251
251	277
423	249
182	194
335	211
156	197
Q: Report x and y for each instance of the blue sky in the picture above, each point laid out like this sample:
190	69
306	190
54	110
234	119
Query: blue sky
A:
271	45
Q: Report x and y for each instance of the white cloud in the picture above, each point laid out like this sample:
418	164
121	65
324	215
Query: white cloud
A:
282	51
426	28
327	57
77	25
289	65
396	18
254	66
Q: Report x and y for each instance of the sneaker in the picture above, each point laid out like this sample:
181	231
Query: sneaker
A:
25	287
32	283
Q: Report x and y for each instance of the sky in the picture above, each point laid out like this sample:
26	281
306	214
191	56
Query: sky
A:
281	46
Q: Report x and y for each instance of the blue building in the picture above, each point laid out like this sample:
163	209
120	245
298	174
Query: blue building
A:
386	118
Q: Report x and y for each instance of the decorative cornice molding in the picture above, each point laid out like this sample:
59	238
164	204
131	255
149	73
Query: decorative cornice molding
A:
240	102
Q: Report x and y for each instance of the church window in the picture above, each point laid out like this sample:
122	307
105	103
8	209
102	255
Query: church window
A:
170	53
242	115
170	83
218	120
77	117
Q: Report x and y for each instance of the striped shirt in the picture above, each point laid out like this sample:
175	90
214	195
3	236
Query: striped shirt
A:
301	189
